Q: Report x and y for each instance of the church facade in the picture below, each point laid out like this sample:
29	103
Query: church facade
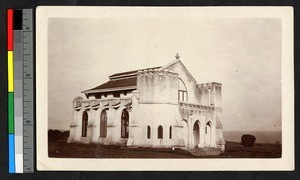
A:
162	107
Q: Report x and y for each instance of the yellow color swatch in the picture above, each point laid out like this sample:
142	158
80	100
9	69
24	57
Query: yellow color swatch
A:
10	64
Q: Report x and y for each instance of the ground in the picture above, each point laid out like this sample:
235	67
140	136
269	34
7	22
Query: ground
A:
59	148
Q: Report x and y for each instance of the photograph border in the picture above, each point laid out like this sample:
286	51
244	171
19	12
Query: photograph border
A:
46	163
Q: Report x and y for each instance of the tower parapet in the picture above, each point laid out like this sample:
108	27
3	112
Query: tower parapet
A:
211	93
157	86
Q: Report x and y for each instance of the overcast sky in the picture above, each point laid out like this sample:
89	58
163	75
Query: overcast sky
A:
244	54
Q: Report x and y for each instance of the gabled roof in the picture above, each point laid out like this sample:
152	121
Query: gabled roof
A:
119	81
174	62
168	65
128	80
114	85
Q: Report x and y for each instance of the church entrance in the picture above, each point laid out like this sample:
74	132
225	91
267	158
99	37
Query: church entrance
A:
196	132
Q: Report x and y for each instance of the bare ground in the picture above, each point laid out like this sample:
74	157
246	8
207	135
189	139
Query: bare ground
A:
61	149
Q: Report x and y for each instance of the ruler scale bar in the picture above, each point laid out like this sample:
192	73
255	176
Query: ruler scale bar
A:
28	92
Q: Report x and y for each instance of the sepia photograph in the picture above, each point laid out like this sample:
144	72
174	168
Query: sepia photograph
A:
211	88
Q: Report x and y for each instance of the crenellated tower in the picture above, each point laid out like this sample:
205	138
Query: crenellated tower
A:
157	86
211	94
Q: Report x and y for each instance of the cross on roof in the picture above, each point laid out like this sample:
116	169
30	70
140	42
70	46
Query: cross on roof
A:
177	56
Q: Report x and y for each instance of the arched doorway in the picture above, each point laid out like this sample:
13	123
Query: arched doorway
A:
208	134
103	124
124	124
196	132
85	118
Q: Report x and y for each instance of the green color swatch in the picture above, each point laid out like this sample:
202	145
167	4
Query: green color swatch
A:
11	112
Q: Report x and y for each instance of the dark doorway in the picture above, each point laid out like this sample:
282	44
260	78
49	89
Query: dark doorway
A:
85	118
103	124
124	124
196	131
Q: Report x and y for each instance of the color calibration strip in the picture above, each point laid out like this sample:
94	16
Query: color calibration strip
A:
20	90
10	63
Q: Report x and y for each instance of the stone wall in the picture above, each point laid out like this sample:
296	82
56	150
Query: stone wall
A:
155	115
94	108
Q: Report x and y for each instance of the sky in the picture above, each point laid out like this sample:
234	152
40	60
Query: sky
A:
244	54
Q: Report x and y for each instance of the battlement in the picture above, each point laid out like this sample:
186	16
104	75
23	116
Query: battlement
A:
87	104
156	72
191	106
210	84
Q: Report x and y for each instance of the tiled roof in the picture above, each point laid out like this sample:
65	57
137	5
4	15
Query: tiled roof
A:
119	81
116	84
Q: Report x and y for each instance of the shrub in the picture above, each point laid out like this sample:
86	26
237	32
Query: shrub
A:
65	134
277	144
56	135
248	140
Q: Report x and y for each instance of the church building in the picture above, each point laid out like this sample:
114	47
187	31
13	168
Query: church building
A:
159	107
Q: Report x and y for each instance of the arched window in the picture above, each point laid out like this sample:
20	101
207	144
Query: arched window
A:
207	128
124	124
103	124
84	124
148	132
182	92
160	132
170	132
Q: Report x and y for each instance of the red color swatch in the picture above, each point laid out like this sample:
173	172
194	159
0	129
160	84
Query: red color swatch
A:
10	29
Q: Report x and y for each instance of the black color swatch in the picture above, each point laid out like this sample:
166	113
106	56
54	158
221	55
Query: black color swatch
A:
18	19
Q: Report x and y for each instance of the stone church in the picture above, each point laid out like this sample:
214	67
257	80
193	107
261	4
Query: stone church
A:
161	107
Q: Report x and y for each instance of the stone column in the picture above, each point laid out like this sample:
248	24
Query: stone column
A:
72	127
202	135
190	133
78	119
213	135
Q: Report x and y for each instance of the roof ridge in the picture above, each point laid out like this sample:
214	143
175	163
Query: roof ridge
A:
169	64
